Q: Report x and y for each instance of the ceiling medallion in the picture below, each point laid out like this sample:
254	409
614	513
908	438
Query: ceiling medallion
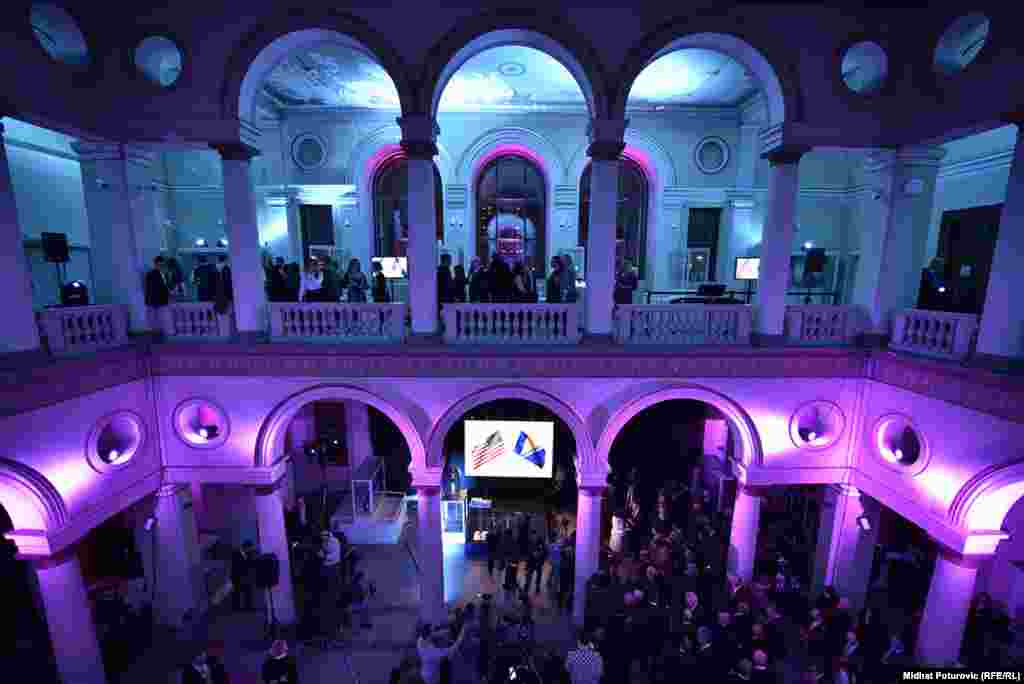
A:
511	69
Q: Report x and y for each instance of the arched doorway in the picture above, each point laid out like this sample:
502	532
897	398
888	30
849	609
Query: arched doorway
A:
390	208
631	216
511	201
509	480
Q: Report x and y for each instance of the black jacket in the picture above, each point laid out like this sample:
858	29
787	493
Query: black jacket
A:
280	671
157	293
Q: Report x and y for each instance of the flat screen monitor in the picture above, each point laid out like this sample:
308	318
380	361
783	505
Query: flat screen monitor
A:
393	267
509	448
748	268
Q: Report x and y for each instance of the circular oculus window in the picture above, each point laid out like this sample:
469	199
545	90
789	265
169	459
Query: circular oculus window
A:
711	155
865	67
309	151
114	441
159	59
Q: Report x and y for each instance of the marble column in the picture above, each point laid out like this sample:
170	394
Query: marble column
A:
20	330
606	145
1002	323
171	560
419	136
945	612
247	279
846	549
588	546
357	434
894	215
110	183
69	619
273	538
430	554
746	514
777	245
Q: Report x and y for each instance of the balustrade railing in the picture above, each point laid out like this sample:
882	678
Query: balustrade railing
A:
514	323
683	324
80	329
822	324
939	334
196	320
337	322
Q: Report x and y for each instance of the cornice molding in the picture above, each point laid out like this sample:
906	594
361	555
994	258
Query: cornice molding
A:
997	161
41	149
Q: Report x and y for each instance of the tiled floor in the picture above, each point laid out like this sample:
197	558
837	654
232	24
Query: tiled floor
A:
373	652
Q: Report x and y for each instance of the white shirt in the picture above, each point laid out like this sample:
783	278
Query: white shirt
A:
585	665
310	282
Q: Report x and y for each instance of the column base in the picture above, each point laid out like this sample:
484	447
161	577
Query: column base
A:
597	340
765	340
424	339
873	340
251	337
1003	365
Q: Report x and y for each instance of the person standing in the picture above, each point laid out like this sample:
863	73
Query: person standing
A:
626	281
479	280
157	294
241	566
553	286
459	282
280	667
568	280
555	558
380	284
355	282
535	562
493	548
445	294
311	286
500	281
225	289
566	579
205	669
203	278
277	289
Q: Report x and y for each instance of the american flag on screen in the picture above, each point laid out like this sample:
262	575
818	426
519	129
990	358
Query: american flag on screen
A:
491	449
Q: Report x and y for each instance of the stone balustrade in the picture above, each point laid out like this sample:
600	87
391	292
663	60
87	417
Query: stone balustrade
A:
818	324
196	320
511	323
81	329
938	334
683	324
337	322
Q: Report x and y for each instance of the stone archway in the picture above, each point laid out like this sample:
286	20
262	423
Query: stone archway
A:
750	442
550	34
284	32
982	504
270	442
588	470
35	507
719	34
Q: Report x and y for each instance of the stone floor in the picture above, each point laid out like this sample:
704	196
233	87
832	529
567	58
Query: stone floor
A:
371	653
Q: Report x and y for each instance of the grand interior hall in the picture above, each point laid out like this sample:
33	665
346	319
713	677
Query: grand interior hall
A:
418	342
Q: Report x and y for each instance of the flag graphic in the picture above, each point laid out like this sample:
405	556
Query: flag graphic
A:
528	450
492	449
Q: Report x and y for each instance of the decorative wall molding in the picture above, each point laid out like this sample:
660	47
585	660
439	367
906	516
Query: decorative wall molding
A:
566	196
771	138
291	361
997	161
31	388
515	136
41	149
456	195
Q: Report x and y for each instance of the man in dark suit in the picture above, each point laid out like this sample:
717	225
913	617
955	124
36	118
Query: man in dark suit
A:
445	286
225	293
241	564
203	278
157	293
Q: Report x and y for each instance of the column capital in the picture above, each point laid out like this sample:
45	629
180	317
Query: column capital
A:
606	138
235	151
269	490
790	154
419	135
968	562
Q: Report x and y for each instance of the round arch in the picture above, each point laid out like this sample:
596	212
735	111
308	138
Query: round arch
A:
652	157
511	140
587	467
270	441
32	502
719	34
287	30
551	34
747	433
983	502
377	148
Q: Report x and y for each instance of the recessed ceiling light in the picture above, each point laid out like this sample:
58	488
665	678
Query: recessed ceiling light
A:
511	69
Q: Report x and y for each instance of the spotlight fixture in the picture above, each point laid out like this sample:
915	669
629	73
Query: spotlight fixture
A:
811	436
864	523
223	242
207	431
200	242
808	245
893	455
113	456
150	521
942	289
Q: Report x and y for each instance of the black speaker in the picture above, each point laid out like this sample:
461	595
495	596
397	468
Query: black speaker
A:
815	262
74	293
55	247
266	571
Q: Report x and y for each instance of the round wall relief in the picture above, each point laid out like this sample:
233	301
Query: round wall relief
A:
309	151
159	59
114	441
817	425
961	43
711	155
900	444
201	423
58	34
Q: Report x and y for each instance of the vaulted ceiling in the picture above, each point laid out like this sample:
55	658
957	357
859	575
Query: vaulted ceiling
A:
502	78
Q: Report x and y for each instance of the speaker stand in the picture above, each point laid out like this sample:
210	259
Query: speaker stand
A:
273	627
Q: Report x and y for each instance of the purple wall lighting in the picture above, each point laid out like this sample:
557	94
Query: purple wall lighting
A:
201	423
115	440
816	425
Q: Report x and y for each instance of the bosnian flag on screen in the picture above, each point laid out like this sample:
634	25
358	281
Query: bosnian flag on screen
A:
525	448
